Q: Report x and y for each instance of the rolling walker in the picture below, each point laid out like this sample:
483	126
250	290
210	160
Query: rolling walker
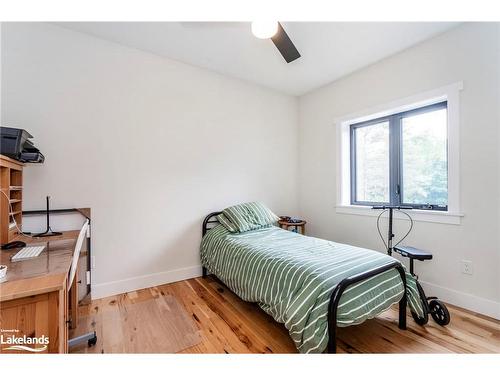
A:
431	305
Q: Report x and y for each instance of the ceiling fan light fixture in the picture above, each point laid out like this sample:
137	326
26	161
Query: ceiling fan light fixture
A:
264	29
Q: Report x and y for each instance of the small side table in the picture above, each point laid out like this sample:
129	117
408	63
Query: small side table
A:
286	225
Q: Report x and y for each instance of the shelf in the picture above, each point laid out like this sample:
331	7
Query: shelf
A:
11	184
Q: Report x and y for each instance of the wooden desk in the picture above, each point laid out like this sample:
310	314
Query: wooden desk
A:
34	298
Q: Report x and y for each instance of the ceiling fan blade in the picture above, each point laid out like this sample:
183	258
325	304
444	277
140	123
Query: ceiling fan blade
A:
284	44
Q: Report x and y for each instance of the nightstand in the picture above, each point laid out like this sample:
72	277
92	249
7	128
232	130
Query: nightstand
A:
286	225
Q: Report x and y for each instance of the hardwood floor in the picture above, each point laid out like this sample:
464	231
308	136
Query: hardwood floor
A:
226	324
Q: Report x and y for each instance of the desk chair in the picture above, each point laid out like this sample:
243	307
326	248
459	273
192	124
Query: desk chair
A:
90	337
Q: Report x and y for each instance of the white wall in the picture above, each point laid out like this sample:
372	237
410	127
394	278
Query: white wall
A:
151	145
470	54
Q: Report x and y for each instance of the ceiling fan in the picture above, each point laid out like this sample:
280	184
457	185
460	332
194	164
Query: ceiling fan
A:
274	30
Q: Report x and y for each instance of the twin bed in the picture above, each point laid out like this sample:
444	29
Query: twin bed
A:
310	285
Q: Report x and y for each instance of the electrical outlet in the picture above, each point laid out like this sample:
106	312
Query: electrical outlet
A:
92	262
467	267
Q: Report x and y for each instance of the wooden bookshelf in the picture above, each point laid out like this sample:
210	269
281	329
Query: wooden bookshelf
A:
11	185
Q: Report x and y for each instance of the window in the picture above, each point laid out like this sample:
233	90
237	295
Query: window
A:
401	159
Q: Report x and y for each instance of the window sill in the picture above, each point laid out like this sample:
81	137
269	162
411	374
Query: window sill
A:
443	217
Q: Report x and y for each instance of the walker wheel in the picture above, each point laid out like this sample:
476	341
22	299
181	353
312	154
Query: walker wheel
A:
439	312
91	342
420	321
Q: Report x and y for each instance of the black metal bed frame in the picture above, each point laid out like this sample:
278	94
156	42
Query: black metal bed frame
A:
339	289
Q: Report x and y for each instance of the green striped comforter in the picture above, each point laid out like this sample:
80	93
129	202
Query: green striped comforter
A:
292	278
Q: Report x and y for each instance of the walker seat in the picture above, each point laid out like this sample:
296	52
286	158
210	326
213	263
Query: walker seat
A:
413	252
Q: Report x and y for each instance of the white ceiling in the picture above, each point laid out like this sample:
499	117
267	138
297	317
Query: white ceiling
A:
329	50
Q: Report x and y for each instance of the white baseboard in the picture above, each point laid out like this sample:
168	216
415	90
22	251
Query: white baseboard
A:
467	301
128	285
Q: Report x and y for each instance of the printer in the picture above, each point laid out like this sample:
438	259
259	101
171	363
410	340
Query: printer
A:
15	144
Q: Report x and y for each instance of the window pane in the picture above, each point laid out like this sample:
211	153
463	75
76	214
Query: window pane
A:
425	164
372	163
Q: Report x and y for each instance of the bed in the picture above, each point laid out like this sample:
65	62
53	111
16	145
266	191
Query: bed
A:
310	285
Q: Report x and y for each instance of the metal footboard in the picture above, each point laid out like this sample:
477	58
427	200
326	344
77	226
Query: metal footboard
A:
344	284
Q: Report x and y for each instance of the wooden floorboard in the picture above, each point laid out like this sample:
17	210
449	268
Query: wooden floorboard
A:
226	324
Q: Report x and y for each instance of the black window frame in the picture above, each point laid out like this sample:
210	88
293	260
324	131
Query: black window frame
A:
395	157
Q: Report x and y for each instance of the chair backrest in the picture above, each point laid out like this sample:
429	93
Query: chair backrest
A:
76	252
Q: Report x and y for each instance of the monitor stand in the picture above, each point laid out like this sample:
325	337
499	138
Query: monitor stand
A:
48	232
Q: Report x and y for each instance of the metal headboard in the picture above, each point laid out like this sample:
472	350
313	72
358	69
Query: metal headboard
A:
207	222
